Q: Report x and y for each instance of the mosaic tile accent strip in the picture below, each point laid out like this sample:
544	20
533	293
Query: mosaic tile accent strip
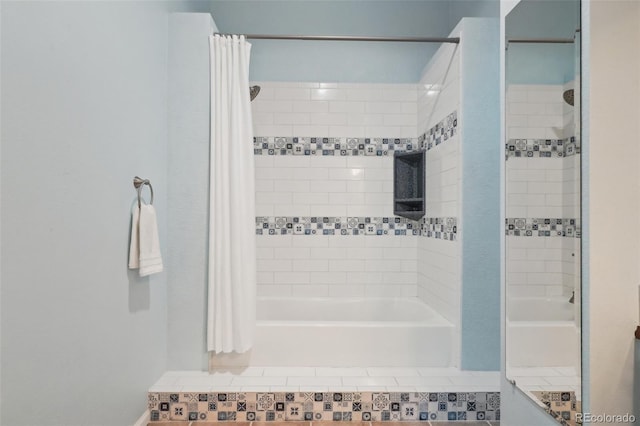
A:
327	406
543	227
563	406
297	225
322	146
441	228
444	130
542	148
435	227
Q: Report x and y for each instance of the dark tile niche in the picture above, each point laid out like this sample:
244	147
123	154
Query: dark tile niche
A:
408	184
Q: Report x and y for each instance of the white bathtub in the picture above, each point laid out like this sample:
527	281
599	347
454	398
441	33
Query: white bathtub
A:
542	332
347	332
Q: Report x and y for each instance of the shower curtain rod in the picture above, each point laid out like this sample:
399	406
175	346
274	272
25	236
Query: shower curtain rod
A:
350	38
542	40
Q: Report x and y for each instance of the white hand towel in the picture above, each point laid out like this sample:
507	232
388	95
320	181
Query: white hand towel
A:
134	247
150	257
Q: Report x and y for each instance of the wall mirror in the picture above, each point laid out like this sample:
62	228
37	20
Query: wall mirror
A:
543	204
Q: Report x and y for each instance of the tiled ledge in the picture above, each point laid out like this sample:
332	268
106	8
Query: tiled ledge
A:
327	379
472	423
309	407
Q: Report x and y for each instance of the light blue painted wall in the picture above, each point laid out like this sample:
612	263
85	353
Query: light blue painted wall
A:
480	84
188	189
544	19
542	63
459	9
362	62
84	109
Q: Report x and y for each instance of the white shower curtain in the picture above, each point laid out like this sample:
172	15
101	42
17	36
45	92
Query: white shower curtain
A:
232	251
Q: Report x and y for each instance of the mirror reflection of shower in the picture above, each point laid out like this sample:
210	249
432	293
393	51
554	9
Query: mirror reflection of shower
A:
253	92
543	180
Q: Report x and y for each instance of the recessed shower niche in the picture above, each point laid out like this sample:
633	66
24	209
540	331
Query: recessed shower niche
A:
408	184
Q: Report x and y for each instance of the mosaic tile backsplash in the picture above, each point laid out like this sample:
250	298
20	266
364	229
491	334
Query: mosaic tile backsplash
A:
542	148
324	146
439	228
331	406
543	227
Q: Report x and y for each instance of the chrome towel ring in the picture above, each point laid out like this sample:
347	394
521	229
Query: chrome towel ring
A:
138	183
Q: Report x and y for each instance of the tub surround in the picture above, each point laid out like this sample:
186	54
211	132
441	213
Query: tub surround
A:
324	189
323	157
438	261
336	188
336	266
543	192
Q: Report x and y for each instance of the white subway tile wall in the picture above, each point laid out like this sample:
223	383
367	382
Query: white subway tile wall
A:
540	267
535	112
542	188
439	278
335	110
336	265
332	186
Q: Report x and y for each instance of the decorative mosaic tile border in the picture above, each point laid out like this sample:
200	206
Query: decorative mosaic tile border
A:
333	225
563	406
542	148
543	227
331	146
321	146
444	130
440	228
331	406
